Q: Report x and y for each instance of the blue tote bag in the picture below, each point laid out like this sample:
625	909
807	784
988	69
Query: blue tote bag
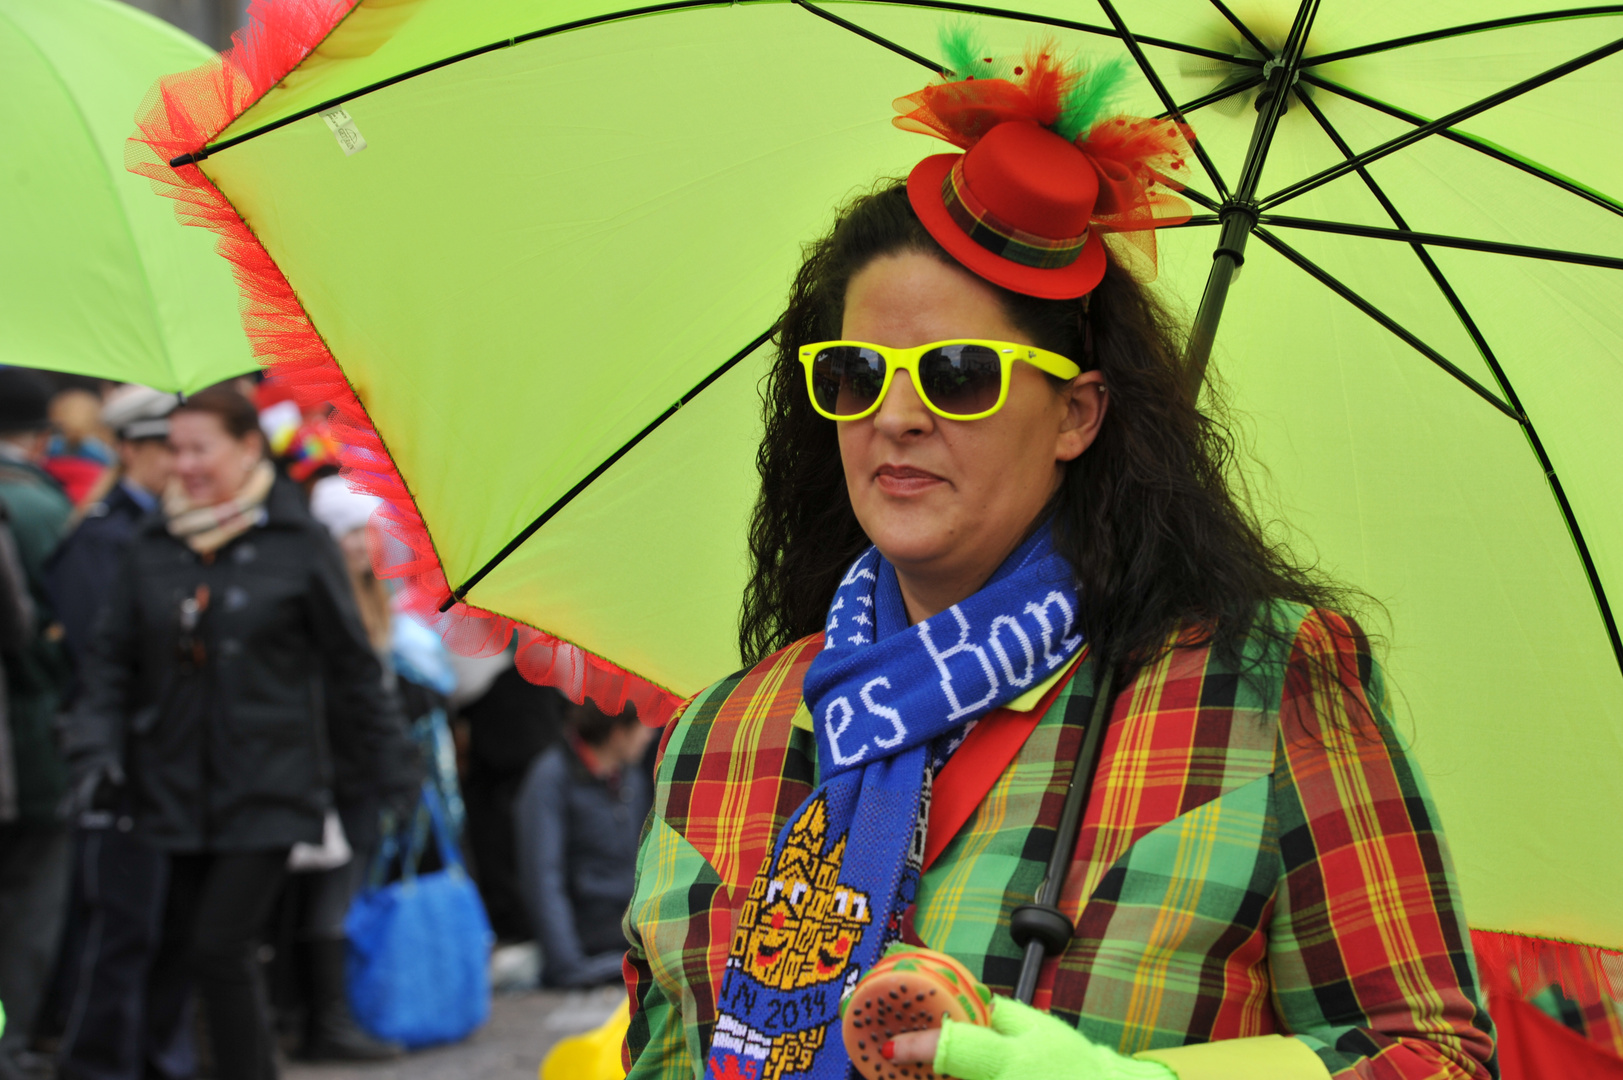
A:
419	947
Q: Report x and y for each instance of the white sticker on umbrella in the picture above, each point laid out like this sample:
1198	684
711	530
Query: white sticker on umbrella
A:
344	130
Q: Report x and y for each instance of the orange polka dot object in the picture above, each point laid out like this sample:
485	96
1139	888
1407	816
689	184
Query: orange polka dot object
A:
909	989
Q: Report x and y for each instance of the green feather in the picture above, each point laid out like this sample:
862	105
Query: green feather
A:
965	54
1091	98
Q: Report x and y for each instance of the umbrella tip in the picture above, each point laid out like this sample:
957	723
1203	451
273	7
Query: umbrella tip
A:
187	159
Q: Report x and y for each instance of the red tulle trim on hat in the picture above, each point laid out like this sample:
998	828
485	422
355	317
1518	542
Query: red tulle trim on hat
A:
1142	164
1586	974
180	115
962	111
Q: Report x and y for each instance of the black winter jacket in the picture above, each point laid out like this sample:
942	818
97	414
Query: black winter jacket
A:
231	735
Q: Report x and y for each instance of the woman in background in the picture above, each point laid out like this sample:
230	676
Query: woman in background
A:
230	695
578	816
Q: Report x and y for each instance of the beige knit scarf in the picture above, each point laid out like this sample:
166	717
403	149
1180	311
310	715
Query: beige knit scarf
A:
207	529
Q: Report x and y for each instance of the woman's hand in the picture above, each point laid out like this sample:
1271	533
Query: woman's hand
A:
1021	1043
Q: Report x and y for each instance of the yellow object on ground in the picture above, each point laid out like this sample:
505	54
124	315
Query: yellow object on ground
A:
592	1056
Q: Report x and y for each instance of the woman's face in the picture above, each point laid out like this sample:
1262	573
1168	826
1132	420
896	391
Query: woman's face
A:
946	501
357	555
211	463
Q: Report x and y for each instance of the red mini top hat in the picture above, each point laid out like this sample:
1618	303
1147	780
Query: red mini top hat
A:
1045	172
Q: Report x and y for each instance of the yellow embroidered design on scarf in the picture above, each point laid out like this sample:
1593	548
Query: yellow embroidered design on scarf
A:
799	925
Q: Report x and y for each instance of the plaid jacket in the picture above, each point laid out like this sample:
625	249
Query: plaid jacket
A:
1259	855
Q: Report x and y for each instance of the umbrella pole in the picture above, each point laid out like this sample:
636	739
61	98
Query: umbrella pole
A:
1238	213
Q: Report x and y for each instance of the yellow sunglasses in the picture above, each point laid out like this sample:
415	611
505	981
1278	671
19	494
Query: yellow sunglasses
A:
958	380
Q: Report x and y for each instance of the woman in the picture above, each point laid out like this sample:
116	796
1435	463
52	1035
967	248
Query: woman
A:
942	576
577	817
230	681
320	892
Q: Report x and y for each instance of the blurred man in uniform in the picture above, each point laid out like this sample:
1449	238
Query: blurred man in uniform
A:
81	571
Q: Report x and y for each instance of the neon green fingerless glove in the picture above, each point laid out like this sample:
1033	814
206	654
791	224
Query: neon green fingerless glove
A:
1024	1044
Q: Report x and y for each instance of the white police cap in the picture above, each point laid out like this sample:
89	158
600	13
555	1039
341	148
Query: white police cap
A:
138	412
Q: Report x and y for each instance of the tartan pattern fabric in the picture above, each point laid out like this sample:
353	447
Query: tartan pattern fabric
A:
732	768
1259	855
998	236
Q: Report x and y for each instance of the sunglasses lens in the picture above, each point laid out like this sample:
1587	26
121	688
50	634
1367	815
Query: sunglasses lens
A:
961	379
846	379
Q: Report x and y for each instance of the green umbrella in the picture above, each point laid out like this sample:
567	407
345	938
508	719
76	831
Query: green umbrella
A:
94	277
539	250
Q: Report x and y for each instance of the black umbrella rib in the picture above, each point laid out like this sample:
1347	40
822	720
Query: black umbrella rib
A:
505	43
1468	28
1081	27
1148	69
1341	289
1198	199
604	466
1515	412
631	13
1505	387
1571	518
1463	243
1222	93
976	9
1244	31
1391	146
1430	264
864	32
1470	141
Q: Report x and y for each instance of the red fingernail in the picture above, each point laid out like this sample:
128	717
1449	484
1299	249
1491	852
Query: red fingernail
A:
888	1051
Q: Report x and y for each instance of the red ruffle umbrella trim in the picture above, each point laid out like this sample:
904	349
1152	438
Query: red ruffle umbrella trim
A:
180	115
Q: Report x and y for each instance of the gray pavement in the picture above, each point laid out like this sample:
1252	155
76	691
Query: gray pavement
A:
522	1028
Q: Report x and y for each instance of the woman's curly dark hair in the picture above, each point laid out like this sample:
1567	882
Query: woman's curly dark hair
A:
1145	515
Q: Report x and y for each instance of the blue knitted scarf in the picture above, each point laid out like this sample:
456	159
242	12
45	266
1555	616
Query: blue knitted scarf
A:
846	865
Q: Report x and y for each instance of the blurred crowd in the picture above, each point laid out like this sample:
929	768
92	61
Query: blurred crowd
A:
216	721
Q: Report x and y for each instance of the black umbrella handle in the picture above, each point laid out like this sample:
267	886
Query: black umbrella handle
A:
1040	927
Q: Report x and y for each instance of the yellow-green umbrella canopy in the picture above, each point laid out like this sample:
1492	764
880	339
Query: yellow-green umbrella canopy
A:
94	277
564	222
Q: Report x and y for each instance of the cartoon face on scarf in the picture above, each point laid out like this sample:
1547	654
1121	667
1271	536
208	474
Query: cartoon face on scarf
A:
799	926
